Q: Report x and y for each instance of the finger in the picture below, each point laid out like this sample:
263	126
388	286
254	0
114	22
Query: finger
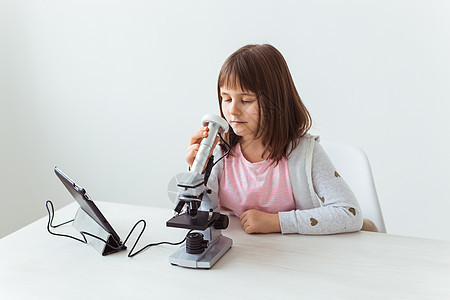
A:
245	227
191	153
242	220
245	222
197	136
193	148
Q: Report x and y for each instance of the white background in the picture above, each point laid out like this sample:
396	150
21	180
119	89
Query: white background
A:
110	91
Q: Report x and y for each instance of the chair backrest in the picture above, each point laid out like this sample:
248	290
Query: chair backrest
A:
353	165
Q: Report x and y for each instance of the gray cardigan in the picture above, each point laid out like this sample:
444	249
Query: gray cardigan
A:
324	202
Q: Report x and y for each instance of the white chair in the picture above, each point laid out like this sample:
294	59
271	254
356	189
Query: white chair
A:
353	165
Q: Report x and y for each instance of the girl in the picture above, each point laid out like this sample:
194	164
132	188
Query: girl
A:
276	178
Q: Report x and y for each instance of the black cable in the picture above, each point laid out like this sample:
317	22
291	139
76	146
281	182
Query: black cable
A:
226	153
51	215
50	223
56	226
83	233
130	254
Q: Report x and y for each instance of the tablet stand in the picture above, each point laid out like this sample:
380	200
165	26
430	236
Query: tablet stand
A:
85	224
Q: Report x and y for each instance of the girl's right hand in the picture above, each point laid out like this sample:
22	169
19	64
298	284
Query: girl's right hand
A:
194	144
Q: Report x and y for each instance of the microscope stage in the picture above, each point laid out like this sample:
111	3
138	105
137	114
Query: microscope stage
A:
199	222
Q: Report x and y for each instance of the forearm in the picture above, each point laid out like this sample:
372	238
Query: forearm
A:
321	220
338	210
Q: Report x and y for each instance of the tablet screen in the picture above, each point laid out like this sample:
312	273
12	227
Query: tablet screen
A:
86	203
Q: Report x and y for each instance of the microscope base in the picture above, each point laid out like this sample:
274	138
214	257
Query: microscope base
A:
204	260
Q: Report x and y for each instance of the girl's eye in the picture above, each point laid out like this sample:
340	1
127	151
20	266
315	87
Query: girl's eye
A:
247	100
226	100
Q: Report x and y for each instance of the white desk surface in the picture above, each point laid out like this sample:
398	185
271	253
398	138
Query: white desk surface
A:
362	265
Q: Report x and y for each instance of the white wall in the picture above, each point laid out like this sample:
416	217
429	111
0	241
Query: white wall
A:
110	91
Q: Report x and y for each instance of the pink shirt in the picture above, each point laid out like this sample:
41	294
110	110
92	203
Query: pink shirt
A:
245	185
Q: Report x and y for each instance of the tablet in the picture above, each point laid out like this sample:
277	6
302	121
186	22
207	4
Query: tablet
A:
88	206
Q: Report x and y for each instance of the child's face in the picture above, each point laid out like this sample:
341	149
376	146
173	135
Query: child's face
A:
241	111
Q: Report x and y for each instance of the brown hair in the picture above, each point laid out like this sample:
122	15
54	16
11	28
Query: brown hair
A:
283	118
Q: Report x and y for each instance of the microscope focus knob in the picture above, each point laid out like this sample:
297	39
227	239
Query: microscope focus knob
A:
222	222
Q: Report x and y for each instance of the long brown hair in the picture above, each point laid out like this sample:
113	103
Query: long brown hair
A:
283	118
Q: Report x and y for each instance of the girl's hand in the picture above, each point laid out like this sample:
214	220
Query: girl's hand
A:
194	144
255	221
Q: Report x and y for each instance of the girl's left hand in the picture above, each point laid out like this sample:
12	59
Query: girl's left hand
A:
255	221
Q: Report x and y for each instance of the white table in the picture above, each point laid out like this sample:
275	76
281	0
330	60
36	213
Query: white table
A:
37	265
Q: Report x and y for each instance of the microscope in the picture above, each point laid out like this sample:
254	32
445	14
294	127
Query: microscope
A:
197	207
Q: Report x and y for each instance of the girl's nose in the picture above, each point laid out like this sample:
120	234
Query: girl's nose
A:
234	109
